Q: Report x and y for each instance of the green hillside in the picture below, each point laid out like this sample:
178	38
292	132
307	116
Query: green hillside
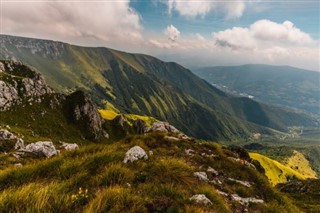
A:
141	84
168	173
277	85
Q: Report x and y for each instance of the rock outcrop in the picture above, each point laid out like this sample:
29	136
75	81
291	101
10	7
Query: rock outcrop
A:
41	149
161	126
201	199
9	141
135	153
165	127
84	113
18	83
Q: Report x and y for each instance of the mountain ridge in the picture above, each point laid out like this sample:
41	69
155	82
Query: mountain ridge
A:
284	86
142	84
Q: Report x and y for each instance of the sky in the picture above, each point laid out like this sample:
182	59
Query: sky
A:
195	33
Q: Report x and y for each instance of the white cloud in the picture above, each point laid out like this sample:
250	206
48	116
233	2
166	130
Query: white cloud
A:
190	8
262	34
172	32
86	23
243	45
286	31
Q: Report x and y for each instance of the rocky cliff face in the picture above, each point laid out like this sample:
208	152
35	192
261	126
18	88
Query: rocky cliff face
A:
19	83
84	113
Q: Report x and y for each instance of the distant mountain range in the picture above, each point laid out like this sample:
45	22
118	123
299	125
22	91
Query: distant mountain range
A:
141	84
278	85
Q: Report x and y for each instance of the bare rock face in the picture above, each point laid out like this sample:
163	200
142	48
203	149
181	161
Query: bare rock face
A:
84	113
41	148
201	199
135	153
20	83
8	94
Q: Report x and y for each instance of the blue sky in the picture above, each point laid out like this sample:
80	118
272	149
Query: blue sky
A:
304	14
194	33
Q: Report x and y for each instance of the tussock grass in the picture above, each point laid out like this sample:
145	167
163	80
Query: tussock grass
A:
35	197
116	199
172	170
115	174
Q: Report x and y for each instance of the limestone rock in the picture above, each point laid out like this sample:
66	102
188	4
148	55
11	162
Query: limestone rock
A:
202	176
69	146
9	141
165	127
213	171
161	126
25	84
135	153
244	183
247	200
201	199
41	148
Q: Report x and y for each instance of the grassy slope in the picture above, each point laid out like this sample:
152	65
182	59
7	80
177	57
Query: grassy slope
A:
275	171
140	84
110	115
165	181
300	164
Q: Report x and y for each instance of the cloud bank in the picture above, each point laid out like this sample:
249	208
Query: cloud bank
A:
78	22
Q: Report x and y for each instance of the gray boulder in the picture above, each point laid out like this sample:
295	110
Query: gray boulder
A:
165	127
161	126
41	148
202	176
201	199
135	153
9	141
